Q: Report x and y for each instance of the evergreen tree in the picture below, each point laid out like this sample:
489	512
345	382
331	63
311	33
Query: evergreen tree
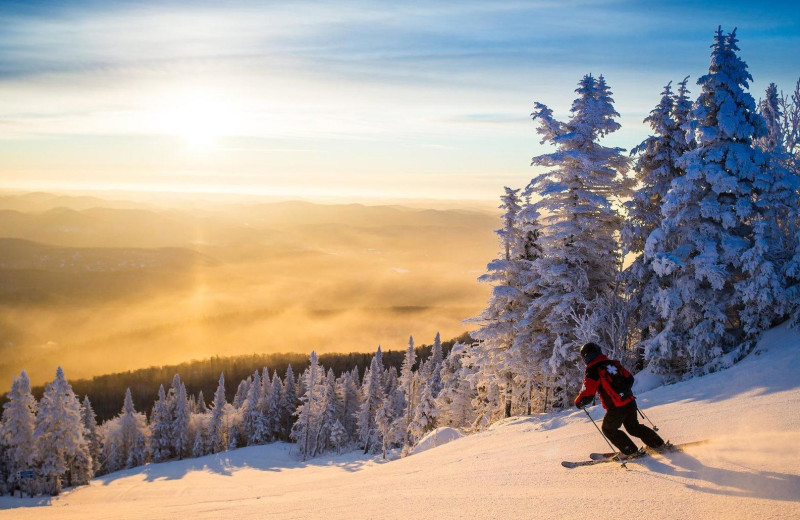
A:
273	408
201	403
241	393
331	411
408	387
218	428
348	391
289	404
435	366
17	428
180	420
93	439
137	455
384	424
308	412
425	412
161	421
507	305
62	452
253	424
577	270
709	247
454	403
656	167
121	434
373	394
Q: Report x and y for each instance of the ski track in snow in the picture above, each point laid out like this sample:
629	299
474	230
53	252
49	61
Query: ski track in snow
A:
750	470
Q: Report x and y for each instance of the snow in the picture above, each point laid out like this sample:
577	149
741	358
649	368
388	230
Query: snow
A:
751	469
437	437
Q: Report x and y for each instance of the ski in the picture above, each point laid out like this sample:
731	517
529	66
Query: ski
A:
592	462
675	447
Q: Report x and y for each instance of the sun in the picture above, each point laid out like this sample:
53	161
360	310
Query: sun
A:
199	119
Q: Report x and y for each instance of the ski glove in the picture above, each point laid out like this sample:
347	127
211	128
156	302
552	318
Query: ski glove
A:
584	401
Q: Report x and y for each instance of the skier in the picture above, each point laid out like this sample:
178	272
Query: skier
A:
613	382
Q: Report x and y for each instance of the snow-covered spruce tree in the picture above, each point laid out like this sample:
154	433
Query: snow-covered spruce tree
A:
373	394
407	387
707	250
347	388
62	454
435	366
385	424
454	403
200	444
201	403
768	294
120	435
161	428
655	169
181	416
331	411
93	438
522	359
425	412
289	404
309	410
507	305
241	393
581	224
17	428
218	428
272	410
253	427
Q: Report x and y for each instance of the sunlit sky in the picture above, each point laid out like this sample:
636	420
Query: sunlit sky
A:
334	99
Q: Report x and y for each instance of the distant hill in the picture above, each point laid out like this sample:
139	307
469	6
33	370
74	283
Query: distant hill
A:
24	254
99	286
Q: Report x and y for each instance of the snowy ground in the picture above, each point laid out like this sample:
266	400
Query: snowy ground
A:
750	470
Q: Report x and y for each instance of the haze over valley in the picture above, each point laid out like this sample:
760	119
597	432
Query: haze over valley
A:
100	285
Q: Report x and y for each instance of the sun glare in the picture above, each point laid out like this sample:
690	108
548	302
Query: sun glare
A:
200	119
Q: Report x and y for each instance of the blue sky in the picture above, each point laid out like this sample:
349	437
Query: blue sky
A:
338	99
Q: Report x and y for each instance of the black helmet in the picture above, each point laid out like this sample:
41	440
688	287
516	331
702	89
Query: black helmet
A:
590	351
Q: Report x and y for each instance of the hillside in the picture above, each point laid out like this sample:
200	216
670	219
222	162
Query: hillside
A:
750	469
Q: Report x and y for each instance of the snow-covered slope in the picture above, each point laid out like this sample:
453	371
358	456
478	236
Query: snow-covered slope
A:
750	470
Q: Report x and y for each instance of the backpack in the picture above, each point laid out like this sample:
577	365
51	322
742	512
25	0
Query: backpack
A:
614	374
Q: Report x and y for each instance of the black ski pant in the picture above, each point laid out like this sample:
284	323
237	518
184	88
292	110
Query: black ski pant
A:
626	416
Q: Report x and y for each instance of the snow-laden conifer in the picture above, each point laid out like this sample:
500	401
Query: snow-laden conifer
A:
17	428
454	403
425	412
161	429
507	305
373	394
708	248
62	453
581	222
655	169
93	437
253	425
181	417
309	411
218	428
120	435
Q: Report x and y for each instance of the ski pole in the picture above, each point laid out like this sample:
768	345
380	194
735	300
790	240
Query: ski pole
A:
655	428
604	436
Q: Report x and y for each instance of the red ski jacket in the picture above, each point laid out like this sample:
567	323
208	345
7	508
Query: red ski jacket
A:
598	379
